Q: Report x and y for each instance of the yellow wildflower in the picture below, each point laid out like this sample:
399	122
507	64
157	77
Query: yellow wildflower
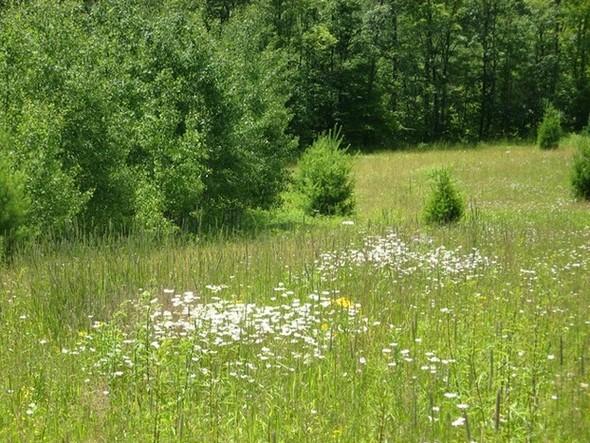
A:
343	302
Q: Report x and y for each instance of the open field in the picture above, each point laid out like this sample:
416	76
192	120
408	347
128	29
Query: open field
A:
502	181
382	330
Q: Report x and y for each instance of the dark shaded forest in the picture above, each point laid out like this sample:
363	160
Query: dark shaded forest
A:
406	71
162	114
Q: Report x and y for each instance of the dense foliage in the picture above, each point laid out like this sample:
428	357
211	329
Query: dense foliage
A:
405	71
165	114
581	168
445	204
324	177
12	208
128	113
549	131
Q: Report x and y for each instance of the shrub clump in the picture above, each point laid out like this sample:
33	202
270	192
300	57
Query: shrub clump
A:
446	203
549	131
324	177
581	168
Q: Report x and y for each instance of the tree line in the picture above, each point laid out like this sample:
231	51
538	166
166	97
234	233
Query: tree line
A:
408	71
160	114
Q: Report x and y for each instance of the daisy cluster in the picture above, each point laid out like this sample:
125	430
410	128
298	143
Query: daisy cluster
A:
222	323
405	259
250	336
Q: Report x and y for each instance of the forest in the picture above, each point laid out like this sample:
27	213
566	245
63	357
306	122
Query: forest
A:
165	114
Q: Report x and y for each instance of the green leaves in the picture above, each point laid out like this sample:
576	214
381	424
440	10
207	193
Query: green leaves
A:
319	39
580	178
13	207
324	177
549	131
445	204
123	105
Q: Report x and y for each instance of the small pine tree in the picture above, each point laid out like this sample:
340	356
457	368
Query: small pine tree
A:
324	177
549	131
581	167
445	204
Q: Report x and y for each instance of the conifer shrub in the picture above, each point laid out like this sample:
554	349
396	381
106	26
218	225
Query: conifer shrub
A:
580	178
324	177
445	204
549	131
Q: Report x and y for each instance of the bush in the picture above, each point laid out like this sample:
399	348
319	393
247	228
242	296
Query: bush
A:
549	131
324	177
445	204
12	208
581	168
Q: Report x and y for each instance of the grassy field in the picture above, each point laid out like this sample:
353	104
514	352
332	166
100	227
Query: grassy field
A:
501	181
377	328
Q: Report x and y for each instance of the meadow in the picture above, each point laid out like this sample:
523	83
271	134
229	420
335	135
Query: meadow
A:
374	328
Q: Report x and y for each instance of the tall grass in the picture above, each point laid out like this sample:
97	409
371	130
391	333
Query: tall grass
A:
397	331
